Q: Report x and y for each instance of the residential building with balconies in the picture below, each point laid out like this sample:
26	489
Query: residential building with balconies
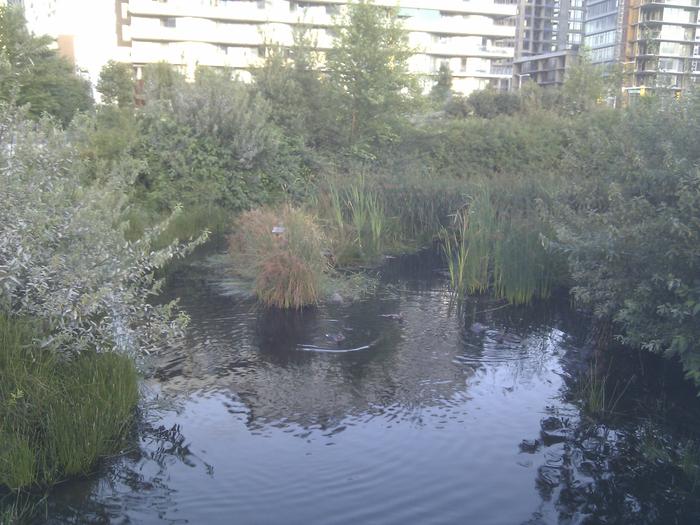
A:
663	44
548	36
476	38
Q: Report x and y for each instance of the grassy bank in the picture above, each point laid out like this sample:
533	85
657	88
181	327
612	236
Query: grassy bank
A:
58	415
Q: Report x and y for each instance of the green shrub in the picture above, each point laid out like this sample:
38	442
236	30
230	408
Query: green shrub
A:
58	416
288	267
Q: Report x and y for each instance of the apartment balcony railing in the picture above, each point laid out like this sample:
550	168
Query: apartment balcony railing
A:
502	70
672	3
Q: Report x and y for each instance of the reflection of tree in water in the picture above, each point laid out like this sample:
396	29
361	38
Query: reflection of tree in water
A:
127	481
424	359
599	475
639	466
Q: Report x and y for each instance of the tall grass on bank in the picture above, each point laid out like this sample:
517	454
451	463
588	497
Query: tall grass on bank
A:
283	252
58	416
366	218
495	246
599	398
190	223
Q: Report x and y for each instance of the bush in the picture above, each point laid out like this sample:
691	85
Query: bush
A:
630	224
58	417
288	267
63	257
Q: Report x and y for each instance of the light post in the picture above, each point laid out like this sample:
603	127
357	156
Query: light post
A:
520	79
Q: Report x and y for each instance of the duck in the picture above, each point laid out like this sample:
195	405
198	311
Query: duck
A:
336	338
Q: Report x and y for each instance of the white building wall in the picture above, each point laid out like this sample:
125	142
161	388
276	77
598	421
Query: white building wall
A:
472	37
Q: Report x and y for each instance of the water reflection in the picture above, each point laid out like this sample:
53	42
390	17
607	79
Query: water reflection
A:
435	422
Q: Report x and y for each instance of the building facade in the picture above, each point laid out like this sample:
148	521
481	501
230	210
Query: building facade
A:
547	26
546	69
605	31
476	38
548	35
663	44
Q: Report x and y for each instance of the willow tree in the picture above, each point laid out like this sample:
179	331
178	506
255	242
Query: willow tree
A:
368	72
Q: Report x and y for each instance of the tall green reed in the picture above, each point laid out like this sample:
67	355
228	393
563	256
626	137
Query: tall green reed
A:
495	246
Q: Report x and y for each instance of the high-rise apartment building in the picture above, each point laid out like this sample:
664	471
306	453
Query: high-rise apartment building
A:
547	26
548	36
475	38
85	30
663	44
604	30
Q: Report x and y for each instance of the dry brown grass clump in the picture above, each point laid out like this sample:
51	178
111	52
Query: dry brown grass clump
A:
287	267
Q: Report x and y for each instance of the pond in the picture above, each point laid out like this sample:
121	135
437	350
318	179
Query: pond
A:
434	416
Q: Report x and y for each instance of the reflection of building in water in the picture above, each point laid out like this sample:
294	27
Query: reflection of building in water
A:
427	360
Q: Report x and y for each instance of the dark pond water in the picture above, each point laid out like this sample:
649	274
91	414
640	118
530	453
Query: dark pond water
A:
433	423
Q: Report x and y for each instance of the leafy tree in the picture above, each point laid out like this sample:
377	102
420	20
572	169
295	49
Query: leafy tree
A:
630	223
488	103
160	82
35	75
290	81
64	260
206	144
584	86
368	71
116	84
442	89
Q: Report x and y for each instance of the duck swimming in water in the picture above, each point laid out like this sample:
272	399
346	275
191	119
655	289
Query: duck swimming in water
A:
336	338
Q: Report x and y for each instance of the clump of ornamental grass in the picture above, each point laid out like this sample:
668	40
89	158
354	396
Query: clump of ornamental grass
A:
283	253
58	415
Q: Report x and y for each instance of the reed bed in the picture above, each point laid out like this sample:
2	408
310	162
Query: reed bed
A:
494	245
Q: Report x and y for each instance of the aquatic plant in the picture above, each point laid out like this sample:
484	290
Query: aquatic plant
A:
58	416
493	245
283	252
366	218
598	398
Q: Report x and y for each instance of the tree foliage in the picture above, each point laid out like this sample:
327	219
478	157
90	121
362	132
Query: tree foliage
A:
488	103
368	71
33	74
116	84
205	142
63	257
442	89
630	223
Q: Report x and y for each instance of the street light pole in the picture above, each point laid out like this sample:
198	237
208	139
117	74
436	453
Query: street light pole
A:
520	79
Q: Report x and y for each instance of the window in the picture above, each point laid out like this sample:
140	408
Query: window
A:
168	22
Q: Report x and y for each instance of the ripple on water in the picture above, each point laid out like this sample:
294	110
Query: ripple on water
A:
422	424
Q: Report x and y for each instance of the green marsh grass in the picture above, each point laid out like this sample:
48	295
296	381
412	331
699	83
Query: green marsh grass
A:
494	244
282	251
599	398
58	415
366	218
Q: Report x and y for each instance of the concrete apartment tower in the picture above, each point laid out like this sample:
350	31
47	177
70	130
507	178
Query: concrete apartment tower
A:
85	30
662	47
548	36
475	38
